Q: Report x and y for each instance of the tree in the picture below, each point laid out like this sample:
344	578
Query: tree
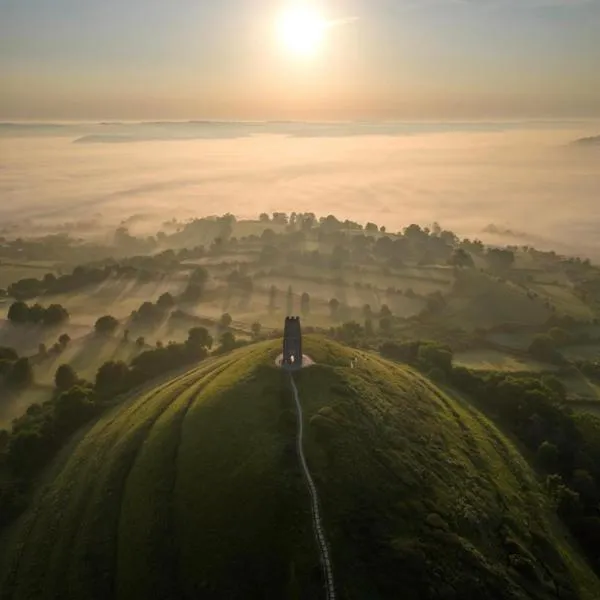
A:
385	311
55	314
111	377
18	313
461	258
165	302
305	304
272	298
140	342
435	356
65	378
543	348
225	321
8	354
290	301
385	324
500	260
256	328
565	500
334	307
36	313
264	218
547	457
350	331
106	325
73	408
21	373
196	285
227	341
64	340
369	331
199	337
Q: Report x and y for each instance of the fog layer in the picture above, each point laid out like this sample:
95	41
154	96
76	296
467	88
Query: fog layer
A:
531	181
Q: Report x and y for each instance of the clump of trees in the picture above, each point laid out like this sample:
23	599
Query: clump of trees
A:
106	325
195	286
115	377
20	313
152	314
564	446
15	371
83	276
544	348
431	357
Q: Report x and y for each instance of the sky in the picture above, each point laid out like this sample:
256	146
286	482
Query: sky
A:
221	59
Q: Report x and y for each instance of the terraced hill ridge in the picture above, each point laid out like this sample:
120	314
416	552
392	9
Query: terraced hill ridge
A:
193	490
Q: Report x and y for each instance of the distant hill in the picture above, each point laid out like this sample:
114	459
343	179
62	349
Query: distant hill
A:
588	141
193	490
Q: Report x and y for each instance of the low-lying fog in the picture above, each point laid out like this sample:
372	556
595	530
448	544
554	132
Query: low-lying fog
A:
526	179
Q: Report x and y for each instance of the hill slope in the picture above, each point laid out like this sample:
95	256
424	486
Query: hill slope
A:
193	490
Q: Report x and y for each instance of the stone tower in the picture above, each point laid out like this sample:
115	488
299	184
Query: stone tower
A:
292	343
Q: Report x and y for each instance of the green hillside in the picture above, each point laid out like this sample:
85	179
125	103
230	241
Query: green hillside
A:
193	490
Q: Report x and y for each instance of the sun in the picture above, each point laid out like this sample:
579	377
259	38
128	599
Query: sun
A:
301	30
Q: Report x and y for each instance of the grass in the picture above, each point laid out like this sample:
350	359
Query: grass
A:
579	386
484	301
582	352
515	341
494	360
192	490
564	299
11	272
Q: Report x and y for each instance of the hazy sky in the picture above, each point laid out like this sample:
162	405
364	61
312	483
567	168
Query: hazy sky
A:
182	59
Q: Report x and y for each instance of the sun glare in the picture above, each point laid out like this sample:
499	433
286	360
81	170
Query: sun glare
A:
301	30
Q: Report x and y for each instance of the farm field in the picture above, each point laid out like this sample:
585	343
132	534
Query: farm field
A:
493	360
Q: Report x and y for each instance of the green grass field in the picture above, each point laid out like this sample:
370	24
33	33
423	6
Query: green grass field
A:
483	301
579	386
582	352
11	272
494	360
192	489
564	299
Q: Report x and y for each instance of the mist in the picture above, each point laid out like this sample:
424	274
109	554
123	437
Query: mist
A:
527	180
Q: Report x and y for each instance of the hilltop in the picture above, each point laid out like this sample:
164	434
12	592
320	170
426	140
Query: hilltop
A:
192	489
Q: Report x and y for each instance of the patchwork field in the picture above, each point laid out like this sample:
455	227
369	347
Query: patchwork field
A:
493	360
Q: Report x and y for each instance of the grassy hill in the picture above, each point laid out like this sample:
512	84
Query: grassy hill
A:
193	490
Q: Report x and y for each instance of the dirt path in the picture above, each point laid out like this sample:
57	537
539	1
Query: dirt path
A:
314	501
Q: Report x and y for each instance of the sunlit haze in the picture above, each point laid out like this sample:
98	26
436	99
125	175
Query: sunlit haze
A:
241	59
301	29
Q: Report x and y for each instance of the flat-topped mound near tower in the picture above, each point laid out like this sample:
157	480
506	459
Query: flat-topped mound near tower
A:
192	490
